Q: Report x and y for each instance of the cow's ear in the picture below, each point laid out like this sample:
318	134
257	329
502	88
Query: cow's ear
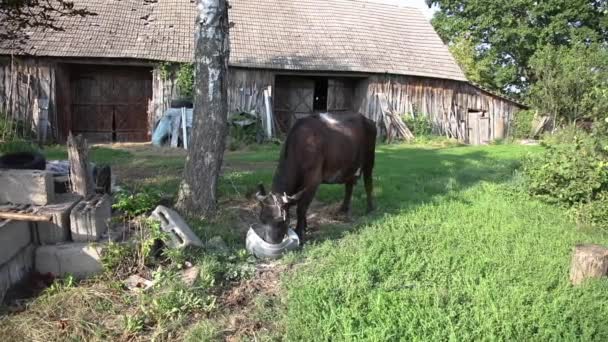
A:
261	189
261	194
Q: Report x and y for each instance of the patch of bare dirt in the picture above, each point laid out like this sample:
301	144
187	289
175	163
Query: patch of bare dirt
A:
241	315
145	149
230	166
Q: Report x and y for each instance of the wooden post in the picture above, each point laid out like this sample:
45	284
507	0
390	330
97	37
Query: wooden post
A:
80	175
184	129
588	261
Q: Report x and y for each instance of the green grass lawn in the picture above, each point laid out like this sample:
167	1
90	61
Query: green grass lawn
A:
453	252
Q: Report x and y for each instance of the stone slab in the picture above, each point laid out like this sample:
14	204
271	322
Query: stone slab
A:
14	236
78	259
17	268
89	219
58	230
26	187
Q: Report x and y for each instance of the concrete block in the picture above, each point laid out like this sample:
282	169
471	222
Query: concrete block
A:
179	231
78	259
89	219
17	268
58	230
26	187
14	236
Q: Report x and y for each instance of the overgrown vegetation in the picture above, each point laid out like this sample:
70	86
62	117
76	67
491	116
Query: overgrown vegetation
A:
136	203
571	83
572	171
183	73
245	129
14	136
521	124
419	124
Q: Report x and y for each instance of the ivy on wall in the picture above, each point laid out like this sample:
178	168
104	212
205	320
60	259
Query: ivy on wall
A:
182	74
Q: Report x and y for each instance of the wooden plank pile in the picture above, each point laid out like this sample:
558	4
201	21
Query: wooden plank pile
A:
394	126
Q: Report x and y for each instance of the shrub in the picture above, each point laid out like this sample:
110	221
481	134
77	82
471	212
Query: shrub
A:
419	124
573	169
245	129
521	126
135	204
17	145
14	136
594	213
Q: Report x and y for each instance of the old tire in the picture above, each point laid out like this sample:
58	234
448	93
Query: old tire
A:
182	103
23	161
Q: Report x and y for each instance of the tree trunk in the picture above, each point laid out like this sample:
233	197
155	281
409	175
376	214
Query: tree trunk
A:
588	261
80	173
198	190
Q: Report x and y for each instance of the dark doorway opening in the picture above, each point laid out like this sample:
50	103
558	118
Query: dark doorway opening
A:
320	94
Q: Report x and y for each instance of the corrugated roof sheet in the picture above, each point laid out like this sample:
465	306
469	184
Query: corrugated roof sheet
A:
328	35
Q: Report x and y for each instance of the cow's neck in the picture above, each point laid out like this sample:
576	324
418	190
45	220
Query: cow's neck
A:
281	182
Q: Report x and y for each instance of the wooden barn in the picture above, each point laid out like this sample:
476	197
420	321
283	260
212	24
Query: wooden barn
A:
103	75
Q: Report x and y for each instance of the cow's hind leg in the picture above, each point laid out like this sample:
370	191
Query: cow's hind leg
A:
369	188
348	194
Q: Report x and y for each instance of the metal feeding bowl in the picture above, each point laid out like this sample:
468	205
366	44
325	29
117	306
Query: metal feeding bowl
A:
257	246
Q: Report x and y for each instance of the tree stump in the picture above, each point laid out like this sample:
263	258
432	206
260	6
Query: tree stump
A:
80	173
588	261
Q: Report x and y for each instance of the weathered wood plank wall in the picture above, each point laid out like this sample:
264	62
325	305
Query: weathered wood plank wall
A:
245	90
445	102
164	90
27	94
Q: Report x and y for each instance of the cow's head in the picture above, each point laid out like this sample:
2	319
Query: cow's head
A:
274	213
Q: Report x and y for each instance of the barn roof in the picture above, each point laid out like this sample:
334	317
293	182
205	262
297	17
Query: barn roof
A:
326	35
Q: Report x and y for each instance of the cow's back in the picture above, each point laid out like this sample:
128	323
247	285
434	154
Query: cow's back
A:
337	144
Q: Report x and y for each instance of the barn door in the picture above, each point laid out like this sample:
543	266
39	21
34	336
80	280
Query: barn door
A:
132	92
92	110
478	129
294	98
110	104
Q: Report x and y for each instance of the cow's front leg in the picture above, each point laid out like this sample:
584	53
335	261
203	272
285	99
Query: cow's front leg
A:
301	225
302	210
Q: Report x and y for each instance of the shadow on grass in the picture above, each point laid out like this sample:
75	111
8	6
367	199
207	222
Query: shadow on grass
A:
404	178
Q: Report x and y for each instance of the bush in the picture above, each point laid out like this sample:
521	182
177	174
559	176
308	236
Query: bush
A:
135	204
572	169
17	145
245	129
14	136
595	213
521	126
419	124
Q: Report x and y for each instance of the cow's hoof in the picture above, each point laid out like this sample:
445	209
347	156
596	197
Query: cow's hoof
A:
344	216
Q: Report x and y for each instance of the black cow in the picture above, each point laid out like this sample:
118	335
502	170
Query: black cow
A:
321	148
